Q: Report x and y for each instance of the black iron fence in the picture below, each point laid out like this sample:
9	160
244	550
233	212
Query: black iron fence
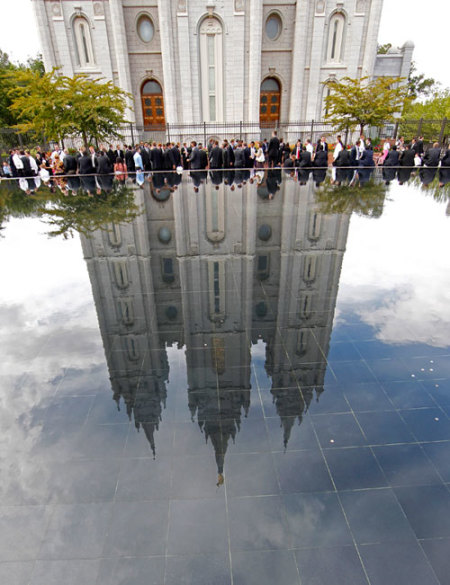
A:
432	130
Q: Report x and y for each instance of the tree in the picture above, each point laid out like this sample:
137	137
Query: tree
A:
433	111
363	102
419	85
56	106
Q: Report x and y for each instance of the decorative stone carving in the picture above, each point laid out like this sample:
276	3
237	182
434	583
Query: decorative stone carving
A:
361	6
320	6
211	26
239	5
56	9
98	9
182	6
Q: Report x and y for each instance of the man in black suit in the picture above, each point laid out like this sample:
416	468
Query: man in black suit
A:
118	153
69	163
94	159
129	160
84	163
104	163
176	155
194	159
111	155
228	155
431	161
203	156
274	149
145	154
168	160
216	158
322	142
156	156
239	156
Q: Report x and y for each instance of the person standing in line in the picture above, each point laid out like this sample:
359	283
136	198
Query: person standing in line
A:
273	150
444	171
337	149
216	156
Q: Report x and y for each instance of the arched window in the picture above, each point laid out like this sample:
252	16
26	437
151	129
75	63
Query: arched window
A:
211	60
83	42
152	104
269	101
335	52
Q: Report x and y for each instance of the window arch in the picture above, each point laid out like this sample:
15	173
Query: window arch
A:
211	61
269	100
336	28
83	42
152	103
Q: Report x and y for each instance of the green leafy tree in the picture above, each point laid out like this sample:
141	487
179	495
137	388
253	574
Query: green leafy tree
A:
367	201
354	103
55	106
419	85
433	111
384	49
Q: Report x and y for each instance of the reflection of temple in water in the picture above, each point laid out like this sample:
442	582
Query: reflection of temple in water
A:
216	271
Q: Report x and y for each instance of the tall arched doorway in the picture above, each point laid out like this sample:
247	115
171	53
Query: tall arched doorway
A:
269	101
152	104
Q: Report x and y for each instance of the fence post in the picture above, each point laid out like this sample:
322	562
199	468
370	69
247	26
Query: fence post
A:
168	132
204	133
346	136
419	127
240	130
442	133
312	131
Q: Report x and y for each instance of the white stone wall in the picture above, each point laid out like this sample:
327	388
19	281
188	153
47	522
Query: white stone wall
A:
297	58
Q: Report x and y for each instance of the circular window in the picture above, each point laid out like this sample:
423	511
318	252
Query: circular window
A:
273	26
148	112
145	28
147	102
263	109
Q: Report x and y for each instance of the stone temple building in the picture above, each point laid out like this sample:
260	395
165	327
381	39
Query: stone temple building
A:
218	61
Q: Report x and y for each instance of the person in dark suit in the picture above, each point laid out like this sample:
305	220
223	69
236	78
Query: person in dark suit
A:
145	154
194	159
104	163
273	150
84	163
176	155
431	162
111	155
216	158
203	154
69	163
118	153
391	162
406	162
129	160
304	167
323	142
365	166
168	160
320	166
247	156
444	171
342	164
239	156
157	158
228	155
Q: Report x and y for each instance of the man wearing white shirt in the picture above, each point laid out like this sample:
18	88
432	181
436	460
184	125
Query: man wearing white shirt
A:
309	147
337	149
33	163
18	163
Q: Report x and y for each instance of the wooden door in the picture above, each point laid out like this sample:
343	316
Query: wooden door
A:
269	104
152	104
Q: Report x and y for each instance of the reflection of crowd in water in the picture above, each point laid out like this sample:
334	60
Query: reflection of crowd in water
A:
233	162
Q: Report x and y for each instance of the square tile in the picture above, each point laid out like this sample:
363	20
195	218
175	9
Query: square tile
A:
436	551
258	523
16	573
144	478
354	468
389	370
264	568
138	529
427	509
199	569
332	400
76	531
316	520
439	453
22	529
100	441
250	438
338	430
388	524
197	526
196	477
367	397
303	471
408	394
399	563
352	372
131	571
427	424
383	428
71	572
250	474
321	566
405	465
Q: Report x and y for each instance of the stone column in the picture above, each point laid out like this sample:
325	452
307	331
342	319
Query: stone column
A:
184	58
254	20
297	108
121	51
168	60
48	53
373	16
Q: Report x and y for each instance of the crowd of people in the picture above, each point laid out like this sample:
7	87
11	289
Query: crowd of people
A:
234	162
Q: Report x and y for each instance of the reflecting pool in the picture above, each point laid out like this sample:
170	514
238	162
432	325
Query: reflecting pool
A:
211	384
